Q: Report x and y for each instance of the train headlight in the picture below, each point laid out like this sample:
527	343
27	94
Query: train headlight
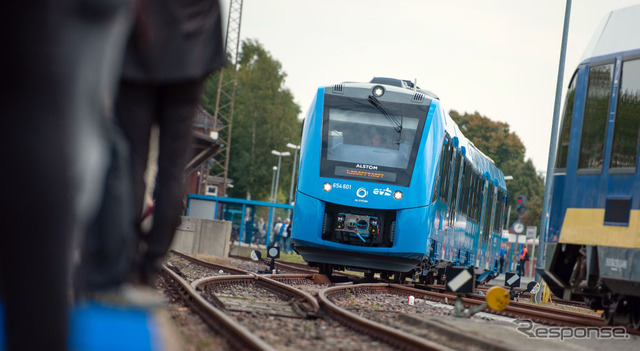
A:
326	186
378	91
397	195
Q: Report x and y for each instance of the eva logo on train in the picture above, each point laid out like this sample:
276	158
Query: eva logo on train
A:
382	192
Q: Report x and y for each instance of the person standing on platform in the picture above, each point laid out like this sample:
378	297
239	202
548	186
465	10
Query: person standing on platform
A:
522	258
284	234
261	227
59	67
174	47
503	255
276	231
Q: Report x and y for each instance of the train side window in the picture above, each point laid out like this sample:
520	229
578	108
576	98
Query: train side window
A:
596	110
456	182
465	192
497	219
565	130
486	225
475	196
436	183
472	192
624	152
445	181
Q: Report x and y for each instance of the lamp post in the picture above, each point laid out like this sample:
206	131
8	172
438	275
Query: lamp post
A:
273	181
280	155
293	173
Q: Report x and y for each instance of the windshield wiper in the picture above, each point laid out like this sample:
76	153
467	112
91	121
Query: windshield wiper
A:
395	123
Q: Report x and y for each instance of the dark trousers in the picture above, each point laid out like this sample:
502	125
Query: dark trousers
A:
59	63
109	247
501	264
172	107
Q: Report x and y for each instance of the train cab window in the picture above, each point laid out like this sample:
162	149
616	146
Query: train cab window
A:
627	124
361	142
565	130
596	110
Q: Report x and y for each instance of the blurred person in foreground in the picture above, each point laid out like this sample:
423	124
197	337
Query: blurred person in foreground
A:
174	47
59	66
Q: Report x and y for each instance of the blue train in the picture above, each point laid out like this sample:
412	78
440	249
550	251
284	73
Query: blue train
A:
594	224
388	184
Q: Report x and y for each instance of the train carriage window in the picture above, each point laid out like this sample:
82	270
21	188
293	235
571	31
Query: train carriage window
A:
565	130
477	204
472	183
456	183
486	225
445	181
439	171
488	212
465	192
596	110
500	205
627	124
476	197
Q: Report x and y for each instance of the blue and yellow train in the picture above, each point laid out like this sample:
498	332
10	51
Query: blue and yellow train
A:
388	184
594	224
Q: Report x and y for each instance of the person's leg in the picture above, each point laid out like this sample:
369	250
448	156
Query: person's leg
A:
177	107
109	246
136	109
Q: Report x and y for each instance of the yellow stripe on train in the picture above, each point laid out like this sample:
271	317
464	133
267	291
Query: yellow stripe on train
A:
586	226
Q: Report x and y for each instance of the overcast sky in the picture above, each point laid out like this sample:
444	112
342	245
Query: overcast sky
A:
497	57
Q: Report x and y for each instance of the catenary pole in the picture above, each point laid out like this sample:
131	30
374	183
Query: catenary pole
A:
546	201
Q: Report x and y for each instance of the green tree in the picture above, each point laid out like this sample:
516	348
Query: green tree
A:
506	149
265	119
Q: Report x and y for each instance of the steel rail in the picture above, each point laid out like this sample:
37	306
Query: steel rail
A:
398	338
302	298
210	265
238	336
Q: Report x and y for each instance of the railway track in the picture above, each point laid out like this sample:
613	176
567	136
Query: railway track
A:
238	336
265	300
285	307
517	310
485	289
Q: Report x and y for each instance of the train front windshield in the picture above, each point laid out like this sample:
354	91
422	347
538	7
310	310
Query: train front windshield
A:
372	143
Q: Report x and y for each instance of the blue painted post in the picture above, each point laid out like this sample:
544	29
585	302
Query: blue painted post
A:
241	236
266	242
